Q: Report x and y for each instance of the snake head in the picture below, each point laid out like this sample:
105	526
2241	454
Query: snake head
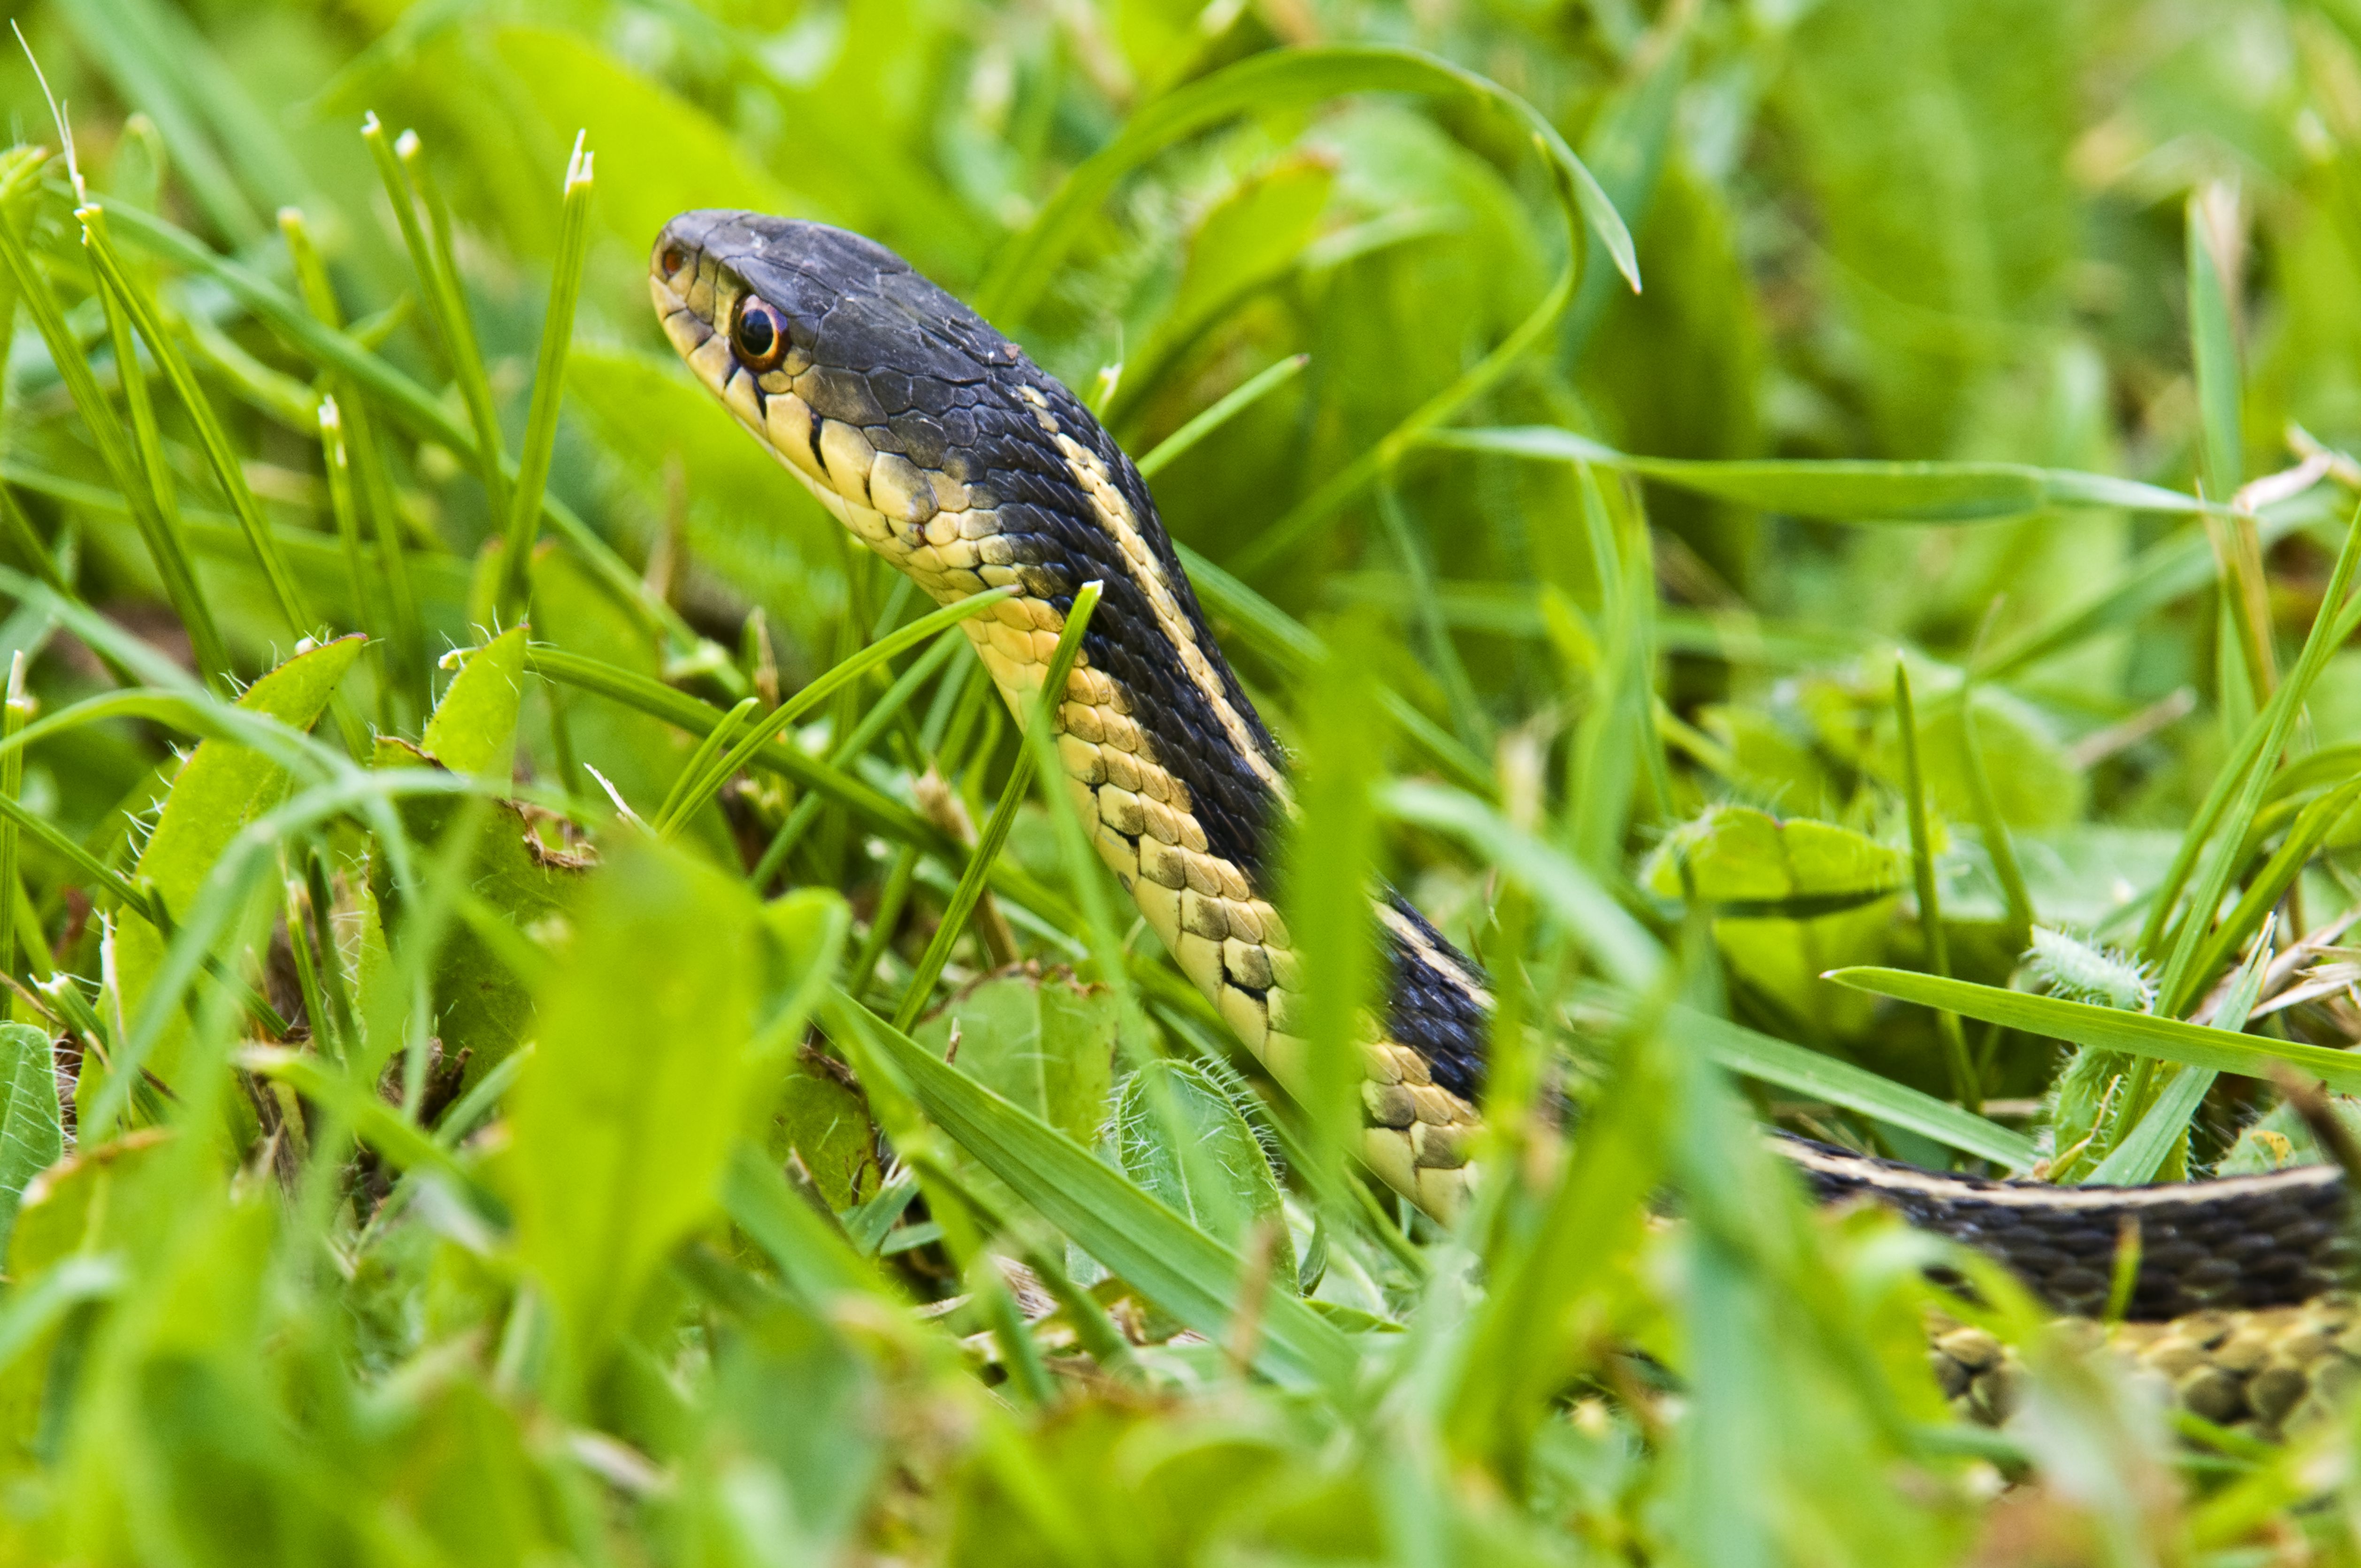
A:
875	387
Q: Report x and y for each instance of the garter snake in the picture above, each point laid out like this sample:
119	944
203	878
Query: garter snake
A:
946	450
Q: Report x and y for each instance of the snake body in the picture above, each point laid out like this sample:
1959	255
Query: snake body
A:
945	449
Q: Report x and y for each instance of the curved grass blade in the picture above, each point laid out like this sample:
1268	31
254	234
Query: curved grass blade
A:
228	469
549	376
1803	1071
1844	490
1004	817
1261	83
1177	1266
411	405
2106	1028
1253	390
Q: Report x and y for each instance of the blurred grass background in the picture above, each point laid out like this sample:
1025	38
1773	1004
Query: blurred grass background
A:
1602	612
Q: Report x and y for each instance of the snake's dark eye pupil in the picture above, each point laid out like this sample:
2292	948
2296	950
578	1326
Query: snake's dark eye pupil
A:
761	336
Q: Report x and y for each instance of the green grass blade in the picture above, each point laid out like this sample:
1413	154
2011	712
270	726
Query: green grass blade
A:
549	376
1330	870
399	169
1171	1262
336	461
1844	490
1256	387
2312	826
2135	1160
2165	572
1622	948
229	471
1275	543
1818	1075
2106	1028
2243	651
17	710
165	548
972	880
2273	728
403	658
1259	84
409	403
1931	910
1999	843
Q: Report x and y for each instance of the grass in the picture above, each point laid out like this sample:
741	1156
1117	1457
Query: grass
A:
506	1055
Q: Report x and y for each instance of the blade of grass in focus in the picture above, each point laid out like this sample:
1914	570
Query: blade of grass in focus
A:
549	376
972	880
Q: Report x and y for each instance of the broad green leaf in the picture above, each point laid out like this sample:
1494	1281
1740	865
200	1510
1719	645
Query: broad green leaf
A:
473	730
658	154
2140	1034
1843	490
222	788
1045	1042
621	1120
31	1136
1249	238
825	1121
2035	783
1177	1266
1933	140
91	1203
1183	1143
1817	1076
1792	899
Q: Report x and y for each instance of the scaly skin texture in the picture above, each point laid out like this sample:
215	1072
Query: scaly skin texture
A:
947	451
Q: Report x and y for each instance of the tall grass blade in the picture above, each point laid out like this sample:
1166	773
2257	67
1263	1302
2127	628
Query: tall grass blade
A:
1931	910
166	548
1250	391
1166	1260
2106	1028
548	376
2143	1152
972	880
215	441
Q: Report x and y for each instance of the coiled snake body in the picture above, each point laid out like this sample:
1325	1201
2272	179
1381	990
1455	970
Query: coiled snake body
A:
942	447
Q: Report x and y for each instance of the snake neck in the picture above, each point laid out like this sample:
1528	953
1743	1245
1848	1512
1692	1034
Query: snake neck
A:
1173	770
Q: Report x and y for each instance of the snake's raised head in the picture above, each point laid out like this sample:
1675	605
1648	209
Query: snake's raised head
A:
875	387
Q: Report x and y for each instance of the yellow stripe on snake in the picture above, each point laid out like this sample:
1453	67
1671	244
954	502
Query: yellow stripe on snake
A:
946	450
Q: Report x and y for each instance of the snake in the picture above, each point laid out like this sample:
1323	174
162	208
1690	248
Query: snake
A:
944	448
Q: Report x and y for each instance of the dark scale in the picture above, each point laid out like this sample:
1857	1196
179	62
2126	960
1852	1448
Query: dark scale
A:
2262	1246
1432	1013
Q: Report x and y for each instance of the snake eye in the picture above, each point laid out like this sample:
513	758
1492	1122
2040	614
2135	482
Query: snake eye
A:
760	336
672	260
